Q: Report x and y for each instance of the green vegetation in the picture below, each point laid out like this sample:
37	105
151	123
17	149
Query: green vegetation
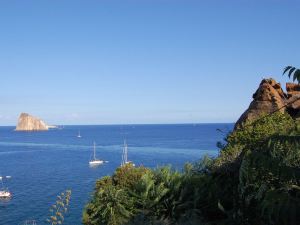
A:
254	180
293	71
60	207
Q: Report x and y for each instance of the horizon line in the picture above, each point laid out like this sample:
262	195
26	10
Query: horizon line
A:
130	124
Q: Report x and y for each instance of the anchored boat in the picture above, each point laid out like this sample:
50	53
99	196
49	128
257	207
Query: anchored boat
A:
125	155
94	160
4	192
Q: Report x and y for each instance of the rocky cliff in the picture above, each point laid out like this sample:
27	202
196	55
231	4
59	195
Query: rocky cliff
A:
27	122
269	98
293	93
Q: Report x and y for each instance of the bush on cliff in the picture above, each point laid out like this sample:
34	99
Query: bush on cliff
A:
255	180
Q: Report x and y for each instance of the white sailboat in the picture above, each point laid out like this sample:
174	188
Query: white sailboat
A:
95	161
125	155
79	136
4	192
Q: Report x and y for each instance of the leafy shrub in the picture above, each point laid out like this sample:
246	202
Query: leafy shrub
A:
254	180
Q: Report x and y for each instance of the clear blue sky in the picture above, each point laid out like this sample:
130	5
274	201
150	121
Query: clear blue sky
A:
143	61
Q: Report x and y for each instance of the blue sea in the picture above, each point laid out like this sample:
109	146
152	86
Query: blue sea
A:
44	164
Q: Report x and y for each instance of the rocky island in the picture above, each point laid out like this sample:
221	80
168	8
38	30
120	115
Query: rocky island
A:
27	122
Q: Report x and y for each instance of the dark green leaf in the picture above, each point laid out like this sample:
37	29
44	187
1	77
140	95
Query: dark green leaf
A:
287	69
297	75
291	71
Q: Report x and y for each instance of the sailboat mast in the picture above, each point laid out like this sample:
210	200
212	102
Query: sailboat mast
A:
125	151
94	151
122	161
1	183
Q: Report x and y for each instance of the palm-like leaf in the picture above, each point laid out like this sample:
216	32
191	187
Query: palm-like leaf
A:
286	69
292	71
297	75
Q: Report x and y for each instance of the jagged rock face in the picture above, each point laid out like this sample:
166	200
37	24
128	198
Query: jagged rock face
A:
293	92
268	98
29	123
292	89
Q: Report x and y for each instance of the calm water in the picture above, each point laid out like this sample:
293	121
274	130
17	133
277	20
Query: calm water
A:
43	164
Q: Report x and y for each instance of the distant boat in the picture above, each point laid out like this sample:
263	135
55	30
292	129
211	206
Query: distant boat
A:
125	155
79	136
4	192
95	161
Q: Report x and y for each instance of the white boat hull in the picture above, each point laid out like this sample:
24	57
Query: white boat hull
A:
5	194
96	162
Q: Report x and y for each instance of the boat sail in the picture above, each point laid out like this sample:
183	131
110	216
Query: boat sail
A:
95	161
4	192
125	155
79	136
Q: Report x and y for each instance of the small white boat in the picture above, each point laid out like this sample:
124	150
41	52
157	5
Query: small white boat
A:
79	136
125	155
95	161
4	192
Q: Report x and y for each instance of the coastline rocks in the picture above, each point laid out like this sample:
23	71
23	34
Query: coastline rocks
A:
27	122
293	92
292	89
268	98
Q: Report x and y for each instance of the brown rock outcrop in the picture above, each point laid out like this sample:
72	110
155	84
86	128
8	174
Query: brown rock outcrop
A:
270	98
27	122
293	92
292	89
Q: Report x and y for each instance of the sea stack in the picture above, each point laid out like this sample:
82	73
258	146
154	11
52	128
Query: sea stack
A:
27	122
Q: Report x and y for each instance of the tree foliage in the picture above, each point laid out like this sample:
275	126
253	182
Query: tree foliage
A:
254	180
